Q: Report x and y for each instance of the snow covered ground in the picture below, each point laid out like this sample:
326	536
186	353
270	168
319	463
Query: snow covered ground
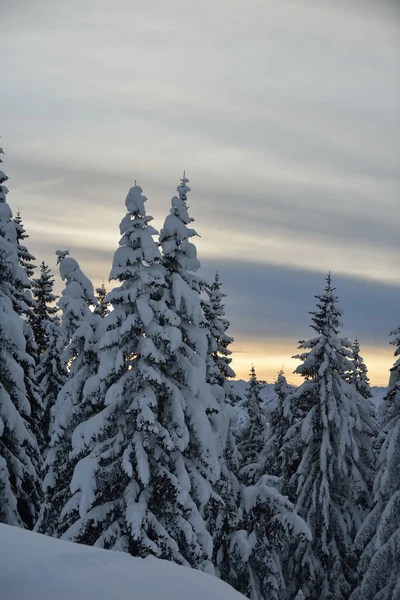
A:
36	567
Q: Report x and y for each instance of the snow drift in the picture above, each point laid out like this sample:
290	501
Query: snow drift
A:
37	567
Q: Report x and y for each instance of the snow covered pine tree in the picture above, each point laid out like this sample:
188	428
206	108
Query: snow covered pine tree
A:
219	358
279	420
19	453
209	440
147	460
332	485
269	532
102	304
221	512
24	305
77	399
359	377
45	310
50	370
379	538
26	259
252	437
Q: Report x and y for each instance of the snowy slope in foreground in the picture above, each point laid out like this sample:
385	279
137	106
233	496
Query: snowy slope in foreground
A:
36	567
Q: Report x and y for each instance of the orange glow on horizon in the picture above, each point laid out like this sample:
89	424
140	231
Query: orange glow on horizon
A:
269	357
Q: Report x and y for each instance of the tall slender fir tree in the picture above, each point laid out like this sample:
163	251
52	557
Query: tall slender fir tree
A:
222	510
77	399
20	461
252	437
24	305
44	307
378	541
26	259
280	420
219	363
332	484
50	370
359	376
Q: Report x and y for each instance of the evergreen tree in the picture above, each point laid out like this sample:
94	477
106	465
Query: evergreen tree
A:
280	419
378	541
219	369
359	376
24	304
212	444
51	375
50	372
102	304
252	438
267	547
269	533
26	259
77	399
19	454
141	486
333	438
221	512
45	310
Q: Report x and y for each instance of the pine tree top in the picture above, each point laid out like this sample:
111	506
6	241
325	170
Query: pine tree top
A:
78	286
326	320
102	304
253	397
137	246
175	235
359	376
327	350
281	386
395	341
26	259
220	356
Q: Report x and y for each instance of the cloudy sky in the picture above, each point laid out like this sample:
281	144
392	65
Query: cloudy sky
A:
285	115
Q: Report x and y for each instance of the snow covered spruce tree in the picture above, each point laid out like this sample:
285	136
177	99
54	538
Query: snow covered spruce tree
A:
50	370
24	303
359	376
252	437
268	536
269	532
266	548
26	259
212	441
332	484
279	421
378	541
24	306
142	485
51	375
221	512
219	369
19	453
102	304
44	303
77	399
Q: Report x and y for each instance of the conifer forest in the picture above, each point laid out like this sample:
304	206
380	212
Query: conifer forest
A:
119	421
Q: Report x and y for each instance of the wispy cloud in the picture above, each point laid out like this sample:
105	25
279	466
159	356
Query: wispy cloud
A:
284	114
